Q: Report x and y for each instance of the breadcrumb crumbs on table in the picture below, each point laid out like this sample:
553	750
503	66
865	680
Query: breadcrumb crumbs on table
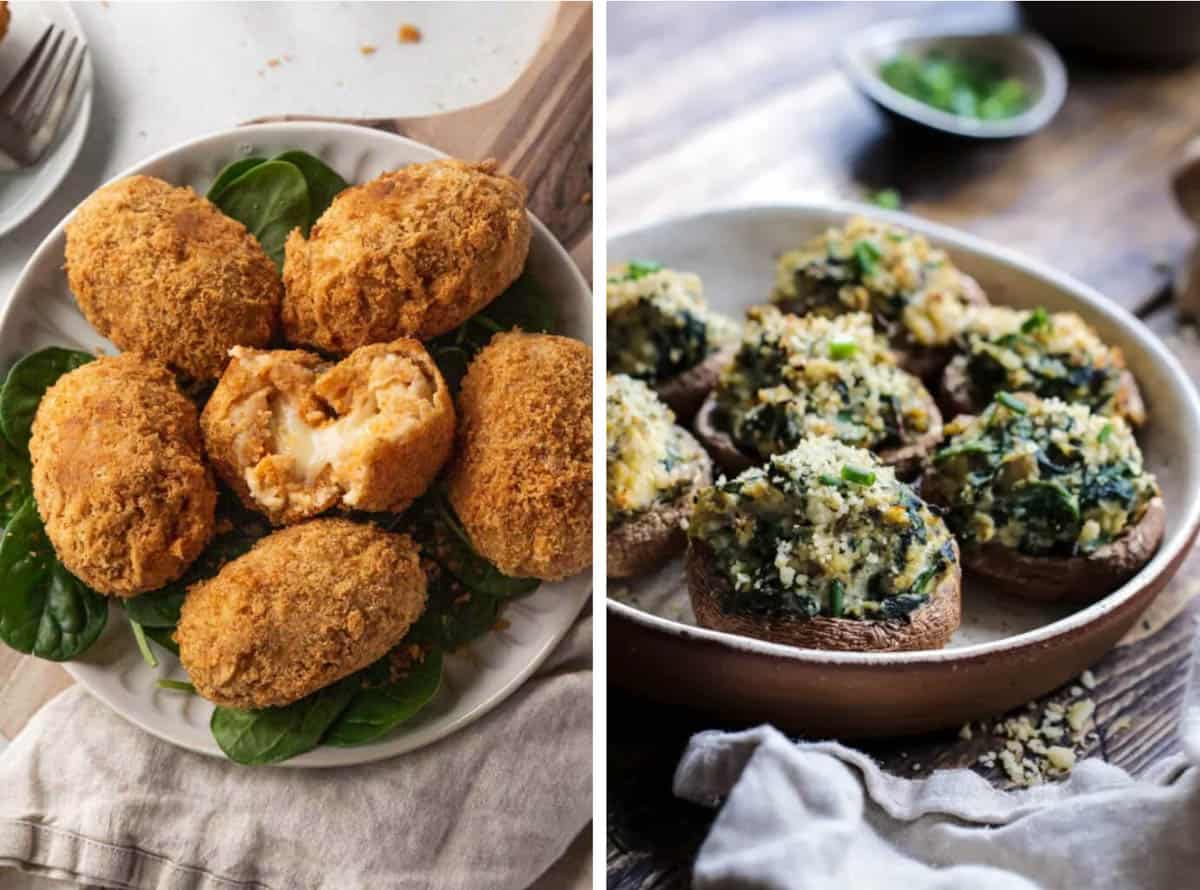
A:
501	625
585	198
368	49
409	34
273	63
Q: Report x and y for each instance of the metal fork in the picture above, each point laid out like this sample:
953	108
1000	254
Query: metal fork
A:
34	102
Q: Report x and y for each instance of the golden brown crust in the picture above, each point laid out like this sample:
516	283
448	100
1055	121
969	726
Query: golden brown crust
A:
119	475
521	478
5	16
906	459
639	545
929	627
413	253
409	440
1077	579
685	392
161	271
957	396
307	606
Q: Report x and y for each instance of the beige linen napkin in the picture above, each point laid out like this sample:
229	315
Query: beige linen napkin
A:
796	816
88	797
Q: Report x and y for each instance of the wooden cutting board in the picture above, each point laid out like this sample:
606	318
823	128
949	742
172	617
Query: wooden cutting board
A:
539	129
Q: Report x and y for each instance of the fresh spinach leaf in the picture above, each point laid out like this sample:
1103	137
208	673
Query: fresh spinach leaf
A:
526	306
270	200
230	172
139	635
324	184
157	609
163	636
25	385
15	484
44	609
271	735
454	551
454	615
382	703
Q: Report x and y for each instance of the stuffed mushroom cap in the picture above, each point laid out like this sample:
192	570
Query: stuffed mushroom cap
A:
1051	354
413	253
161	271
797	377
1048	499
119	475
915	293
653	467
823	546
294	435
661	331
521	477
307	606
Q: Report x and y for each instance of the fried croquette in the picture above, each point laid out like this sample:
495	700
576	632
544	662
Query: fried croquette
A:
306	607
521	480
413	253
161	271
5	15
119	475
295	435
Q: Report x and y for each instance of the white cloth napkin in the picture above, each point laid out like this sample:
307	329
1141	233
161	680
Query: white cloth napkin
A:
88	797
820	815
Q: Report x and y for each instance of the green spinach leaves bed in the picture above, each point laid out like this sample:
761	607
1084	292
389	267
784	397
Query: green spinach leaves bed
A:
47	612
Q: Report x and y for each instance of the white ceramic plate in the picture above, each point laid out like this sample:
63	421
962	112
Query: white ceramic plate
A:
42	312
22	192
734	252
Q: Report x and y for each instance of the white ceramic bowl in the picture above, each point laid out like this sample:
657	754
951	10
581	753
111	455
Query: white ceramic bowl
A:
42	312
1007	651
1027	56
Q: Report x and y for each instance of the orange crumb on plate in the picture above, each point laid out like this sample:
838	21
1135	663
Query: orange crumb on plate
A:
367	49
409	34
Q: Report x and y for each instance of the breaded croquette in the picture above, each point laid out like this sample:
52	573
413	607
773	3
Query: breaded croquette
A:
161	271
521	480
413	253
295	435
119	475
306	607
5	15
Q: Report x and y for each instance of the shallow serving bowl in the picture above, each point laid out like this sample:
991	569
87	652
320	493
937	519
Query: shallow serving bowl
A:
1027	56
42	312
1007	652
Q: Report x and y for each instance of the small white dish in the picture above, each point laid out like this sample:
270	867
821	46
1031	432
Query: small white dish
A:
23	192
42	312
1026	56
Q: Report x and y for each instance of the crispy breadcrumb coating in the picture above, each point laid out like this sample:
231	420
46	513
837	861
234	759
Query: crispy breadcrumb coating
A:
295	435
119	475
413	253
5	15
161	271
306	607
521	481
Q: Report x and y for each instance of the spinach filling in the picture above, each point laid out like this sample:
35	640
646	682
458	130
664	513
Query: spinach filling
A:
801	538
1043	477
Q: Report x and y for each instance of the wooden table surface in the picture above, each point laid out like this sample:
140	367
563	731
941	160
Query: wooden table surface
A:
740	103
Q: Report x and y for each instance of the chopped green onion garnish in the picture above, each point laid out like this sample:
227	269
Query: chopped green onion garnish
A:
1012	403
142	644
857	476
636	269
842	348
178	685
888	199
1105	433
965	448
1037	320
826	479
837	598
867	255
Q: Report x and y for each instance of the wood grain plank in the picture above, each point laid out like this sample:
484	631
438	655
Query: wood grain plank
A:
1063	195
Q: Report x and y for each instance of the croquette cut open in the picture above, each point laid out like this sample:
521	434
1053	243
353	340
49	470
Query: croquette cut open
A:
521	479
295	435
307	606
119	475
161	271
413	253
